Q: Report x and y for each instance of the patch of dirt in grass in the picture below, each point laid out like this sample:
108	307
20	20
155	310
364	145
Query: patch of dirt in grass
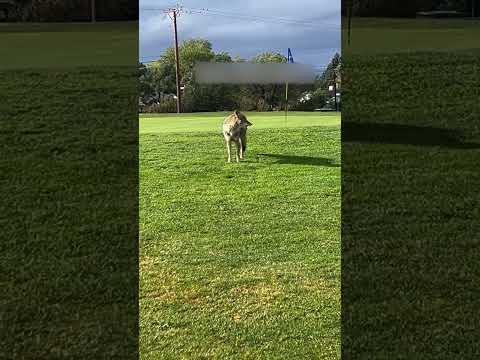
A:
146	262
262	292
259	294
177	296
317	285
252	302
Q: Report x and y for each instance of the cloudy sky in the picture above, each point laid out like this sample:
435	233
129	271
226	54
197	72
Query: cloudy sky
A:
311	28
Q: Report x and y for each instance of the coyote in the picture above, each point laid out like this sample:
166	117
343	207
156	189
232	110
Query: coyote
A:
235	129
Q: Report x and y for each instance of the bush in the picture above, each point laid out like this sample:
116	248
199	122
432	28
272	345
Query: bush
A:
165	106
303	106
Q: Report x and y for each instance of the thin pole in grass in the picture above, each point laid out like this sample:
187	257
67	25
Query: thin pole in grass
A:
289	60
286	103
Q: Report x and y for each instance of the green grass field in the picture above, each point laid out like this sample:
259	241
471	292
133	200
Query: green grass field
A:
383	35
240	261
410	150
212	122
69	144
66	45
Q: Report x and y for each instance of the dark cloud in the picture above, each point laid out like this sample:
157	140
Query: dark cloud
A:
312	31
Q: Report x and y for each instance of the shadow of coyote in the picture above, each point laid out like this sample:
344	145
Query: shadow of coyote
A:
235	129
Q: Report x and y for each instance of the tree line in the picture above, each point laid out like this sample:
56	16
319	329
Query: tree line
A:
158	86
73	10
406	8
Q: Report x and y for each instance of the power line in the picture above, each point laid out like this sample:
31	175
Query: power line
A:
254	18
235	13
260	18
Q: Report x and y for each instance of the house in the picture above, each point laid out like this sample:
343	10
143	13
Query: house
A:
305	97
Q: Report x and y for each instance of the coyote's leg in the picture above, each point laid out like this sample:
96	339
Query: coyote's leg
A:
229	150
237	154
244	144
240	147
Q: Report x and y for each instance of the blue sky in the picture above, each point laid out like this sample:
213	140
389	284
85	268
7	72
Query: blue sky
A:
311	28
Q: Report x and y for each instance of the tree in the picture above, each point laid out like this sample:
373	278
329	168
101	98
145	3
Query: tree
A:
322	82
387	8
197	97
76	10
327	77
157	81
267	96
223	57
190	52
406	8
146	83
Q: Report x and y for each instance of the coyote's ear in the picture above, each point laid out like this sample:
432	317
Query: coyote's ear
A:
236	113
248	123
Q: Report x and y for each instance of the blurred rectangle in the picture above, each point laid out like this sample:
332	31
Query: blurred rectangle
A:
249	73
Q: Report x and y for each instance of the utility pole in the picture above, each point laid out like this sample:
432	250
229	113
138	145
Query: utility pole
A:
93	11
172	13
